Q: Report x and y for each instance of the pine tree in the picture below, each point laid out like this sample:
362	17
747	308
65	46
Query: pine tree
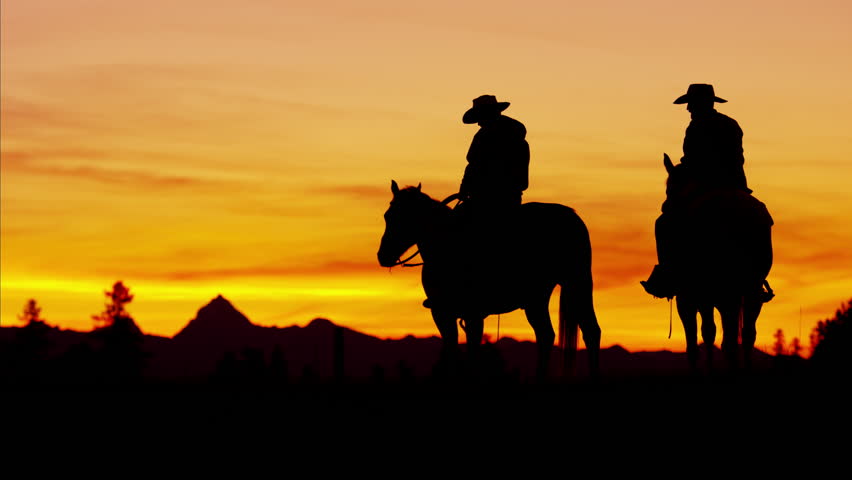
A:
832	340
115	311
796	347
31	313
780	345
28	353
122	357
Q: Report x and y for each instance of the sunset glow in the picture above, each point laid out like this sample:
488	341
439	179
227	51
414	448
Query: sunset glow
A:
191	149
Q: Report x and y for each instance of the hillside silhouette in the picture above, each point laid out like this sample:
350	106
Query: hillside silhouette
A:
224	378
221	344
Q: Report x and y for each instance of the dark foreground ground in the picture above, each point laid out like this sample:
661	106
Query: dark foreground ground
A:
765	401
633	424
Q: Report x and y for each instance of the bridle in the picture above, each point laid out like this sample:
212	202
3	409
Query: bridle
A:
404	263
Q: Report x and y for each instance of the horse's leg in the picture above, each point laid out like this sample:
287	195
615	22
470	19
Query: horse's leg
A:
538	316
474	327
449	357
687	310
591	330
708	332
729	311
751	310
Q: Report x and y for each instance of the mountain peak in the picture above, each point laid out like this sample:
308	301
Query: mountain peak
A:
618	349
217	318
220	299
321	323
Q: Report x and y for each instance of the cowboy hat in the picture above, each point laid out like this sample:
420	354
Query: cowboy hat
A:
483	104
699	91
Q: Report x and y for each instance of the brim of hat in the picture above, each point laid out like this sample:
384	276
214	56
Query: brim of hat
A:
685	99
472	115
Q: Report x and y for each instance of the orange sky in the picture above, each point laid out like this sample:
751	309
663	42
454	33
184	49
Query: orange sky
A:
193	148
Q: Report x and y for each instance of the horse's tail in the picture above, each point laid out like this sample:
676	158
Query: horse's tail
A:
576	304
568	332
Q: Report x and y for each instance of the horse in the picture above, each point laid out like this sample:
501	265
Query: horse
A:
550	246
723	241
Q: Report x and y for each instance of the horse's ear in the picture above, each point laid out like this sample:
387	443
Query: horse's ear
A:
394	187
418	186
668	163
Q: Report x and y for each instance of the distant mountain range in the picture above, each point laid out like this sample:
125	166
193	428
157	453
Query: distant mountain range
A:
220	342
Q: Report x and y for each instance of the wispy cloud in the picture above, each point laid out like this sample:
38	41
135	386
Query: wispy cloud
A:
22	163
372	193
263	271
17	112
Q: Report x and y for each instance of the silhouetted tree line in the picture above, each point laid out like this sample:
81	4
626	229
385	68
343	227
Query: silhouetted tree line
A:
832	341
111	353
114	352
251	366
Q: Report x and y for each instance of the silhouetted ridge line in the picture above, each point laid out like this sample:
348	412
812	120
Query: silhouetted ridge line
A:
220	346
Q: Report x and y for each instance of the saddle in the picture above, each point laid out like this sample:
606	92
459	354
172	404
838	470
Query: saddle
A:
486	246
717	231
730	205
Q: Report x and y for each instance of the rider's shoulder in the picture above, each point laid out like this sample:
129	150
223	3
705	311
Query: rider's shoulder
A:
512	125
721	118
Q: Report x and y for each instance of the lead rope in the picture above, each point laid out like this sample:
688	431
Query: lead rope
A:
498	327
670	318
740	321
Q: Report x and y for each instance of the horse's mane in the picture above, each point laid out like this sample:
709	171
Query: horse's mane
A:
680	191
420	199
681	173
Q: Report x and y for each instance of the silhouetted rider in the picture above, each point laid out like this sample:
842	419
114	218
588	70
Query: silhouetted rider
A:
496	175
713	143
498	160
713	151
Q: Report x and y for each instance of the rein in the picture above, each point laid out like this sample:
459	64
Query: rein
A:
670	318
405	263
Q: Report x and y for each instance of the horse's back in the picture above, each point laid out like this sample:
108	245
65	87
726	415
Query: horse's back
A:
739	210
552	232
731	231
553	218
541	212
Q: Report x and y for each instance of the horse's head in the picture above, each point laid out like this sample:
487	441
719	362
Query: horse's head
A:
680	183
403	223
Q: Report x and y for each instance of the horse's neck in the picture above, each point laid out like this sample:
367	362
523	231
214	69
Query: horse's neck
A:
436	238
690	202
